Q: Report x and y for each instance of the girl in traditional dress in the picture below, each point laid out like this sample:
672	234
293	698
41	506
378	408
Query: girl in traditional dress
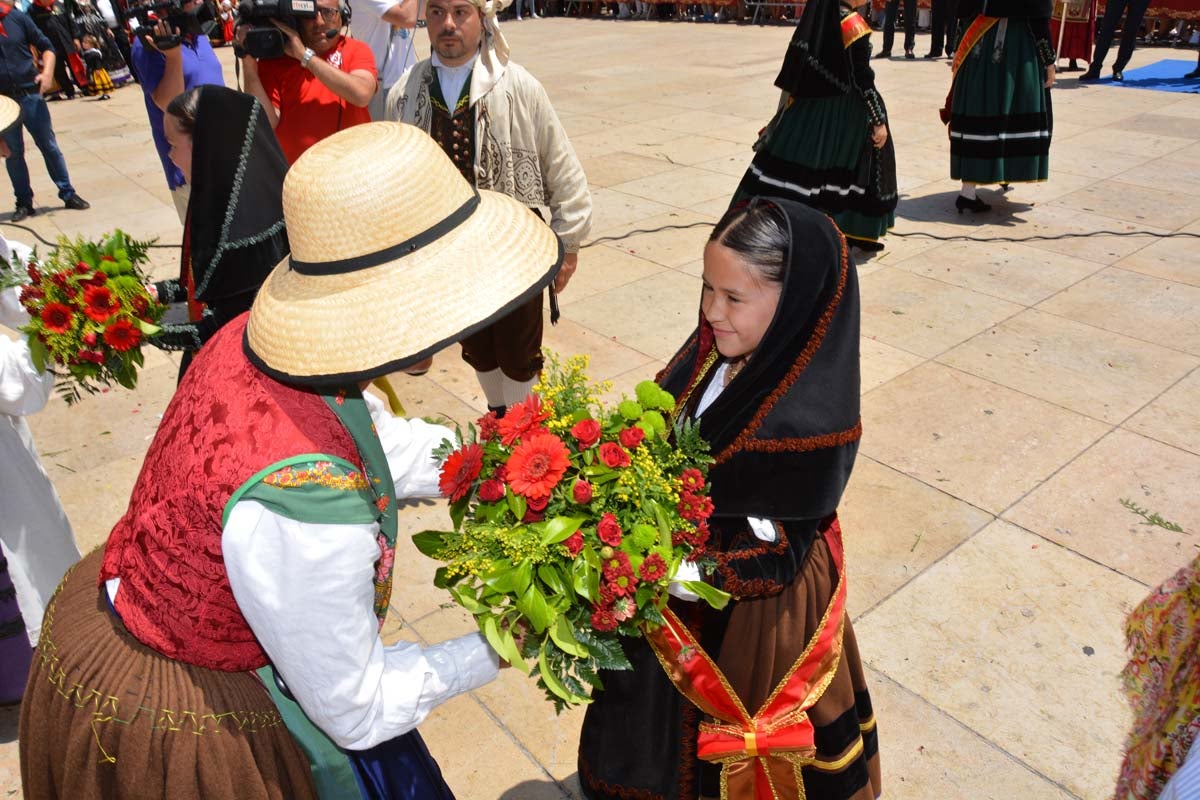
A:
99	84
998	108
234	232
772	376
828	145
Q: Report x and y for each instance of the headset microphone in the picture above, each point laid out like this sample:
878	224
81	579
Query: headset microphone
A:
333	34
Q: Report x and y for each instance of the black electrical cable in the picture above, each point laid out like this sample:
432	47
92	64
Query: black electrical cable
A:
49	243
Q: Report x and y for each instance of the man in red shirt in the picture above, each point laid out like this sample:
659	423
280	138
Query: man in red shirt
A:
322	84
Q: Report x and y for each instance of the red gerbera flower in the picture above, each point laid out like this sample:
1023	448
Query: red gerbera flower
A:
653	568
603	620
460	471
100	303
122	335
56	317
522	418
537	464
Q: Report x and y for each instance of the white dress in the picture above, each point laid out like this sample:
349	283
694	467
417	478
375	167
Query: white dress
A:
34	530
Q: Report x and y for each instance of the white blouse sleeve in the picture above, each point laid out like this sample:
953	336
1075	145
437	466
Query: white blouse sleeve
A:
307	592
23	390
409	445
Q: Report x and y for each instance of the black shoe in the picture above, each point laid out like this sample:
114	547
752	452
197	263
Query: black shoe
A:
1194	73
883	54
974	204
1004	187
1090	75
1118	75
867	246
77	203
932	56
909	55
22	211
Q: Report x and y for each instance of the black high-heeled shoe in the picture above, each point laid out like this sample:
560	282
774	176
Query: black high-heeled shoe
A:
972	204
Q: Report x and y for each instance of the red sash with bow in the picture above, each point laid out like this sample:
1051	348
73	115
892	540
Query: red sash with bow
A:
970	38
761	755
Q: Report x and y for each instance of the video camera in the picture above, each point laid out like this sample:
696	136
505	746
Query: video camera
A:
143	18
264	40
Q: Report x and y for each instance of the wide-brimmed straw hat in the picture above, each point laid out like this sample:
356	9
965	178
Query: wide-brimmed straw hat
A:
394	256
10	114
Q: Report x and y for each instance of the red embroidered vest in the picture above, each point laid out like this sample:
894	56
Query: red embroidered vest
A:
226	423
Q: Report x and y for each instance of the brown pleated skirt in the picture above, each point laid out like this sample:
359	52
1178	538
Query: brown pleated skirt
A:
104	716
764	639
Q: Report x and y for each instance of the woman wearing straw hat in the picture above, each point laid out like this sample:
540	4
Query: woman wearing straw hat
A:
225	640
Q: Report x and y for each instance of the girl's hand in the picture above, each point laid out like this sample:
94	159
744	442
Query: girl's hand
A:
879	136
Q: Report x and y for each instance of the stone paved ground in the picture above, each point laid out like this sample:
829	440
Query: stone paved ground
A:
1013	394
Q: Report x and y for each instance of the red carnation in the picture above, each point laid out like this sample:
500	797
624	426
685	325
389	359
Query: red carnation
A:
653	568
488	425
537	464
34	276
574	543
89	338
613	455
99	279
607	595
100	303
586	432
30	295
609	530
603	620
141	304
692	480
581	492
632	437
59	279
122	335
82	268
460	471
56	317
624	608
93	356
521	419
491	490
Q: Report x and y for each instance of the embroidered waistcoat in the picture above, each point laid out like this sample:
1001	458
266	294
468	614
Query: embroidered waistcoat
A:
454	129
226	424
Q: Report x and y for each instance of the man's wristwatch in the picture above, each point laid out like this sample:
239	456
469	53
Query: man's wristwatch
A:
307	57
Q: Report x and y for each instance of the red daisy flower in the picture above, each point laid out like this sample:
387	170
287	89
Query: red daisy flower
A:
522	418
537	464
122	335
609	530
617	566
460	471
694	507
56	317
100	303
653	568
692	480
624	585
603	620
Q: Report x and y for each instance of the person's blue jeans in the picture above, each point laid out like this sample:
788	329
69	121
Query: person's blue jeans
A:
36	118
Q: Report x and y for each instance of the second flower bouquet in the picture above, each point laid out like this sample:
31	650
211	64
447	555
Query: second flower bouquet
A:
569	521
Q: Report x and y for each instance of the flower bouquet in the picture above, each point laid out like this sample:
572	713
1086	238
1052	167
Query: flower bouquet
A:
89	312
569	521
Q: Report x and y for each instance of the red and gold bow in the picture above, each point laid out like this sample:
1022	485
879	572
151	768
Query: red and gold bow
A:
761	755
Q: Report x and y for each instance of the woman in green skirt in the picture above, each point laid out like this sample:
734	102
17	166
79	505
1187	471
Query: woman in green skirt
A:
828	145
999	104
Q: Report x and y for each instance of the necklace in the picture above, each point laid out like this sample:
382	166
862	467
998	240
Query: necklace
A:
734	368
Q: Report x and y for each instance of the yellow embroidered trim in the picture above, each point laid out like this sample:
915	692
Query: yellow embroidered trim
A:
868	724
105	706
321	474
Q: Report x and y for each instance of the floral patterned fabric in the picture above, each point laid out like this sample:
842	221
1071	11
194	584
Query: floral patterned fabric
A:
1162	681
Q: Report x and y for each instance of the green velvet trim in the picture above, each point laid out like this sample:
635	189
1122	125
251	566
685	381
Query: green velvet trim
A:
316	498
